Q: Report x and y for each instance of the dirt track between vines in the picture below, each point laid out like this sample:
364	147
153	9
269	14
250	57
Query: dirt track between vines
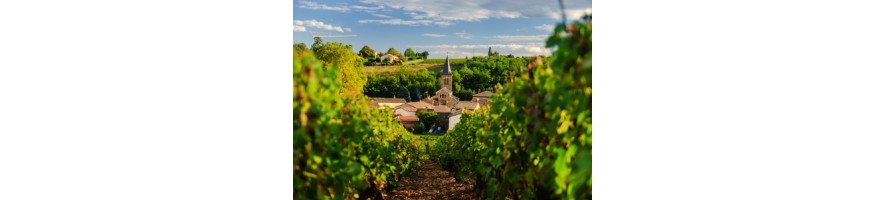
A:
431	181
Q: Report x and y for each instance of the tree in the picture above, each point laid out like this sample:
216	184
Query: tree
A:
409	53
490	52
297	48
404	93
427	117
317	43
394	52
349	65
425	54
367	52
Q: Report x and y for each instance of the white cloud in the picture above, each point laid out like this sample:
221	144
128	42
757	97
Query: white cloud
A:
317	24
300	28
575	14
514	38
545	27
475	10
464	35
317	6
381	16
394	21
528	49
434	35
341	7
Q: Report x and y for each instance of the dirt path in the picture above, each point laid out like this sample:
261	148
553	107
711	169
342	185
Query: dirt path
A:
432	182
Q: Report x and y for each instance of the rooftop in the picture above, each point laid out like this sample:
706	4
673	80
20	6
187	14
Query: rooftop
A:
484	94
421	105
442	109
388	100
408	118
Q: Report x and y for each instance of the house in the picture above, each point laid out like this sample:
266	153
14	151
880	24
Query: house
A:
391	59
411	108
447	117
409	121
482	96
421	105
405	110
467	106
387	102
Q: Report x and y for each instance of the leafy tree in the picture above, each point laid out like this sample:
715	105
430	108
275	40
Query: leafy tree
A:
393	51
350	66
490	52
317	43
409	53
367	52
425	54
404	93
297	48
386	84
427	117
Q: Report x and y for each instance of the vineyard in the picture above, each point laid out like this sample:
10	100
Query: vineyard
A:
533	142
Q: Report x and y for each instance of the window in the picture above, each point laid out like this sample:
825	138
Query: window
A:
446	81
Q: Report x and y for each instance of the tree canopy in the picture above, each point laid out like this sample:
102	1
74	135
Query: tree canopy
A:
393	51
349	66
367	52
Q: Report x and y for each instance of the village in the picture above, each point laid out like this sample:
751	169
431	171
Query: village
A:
444	103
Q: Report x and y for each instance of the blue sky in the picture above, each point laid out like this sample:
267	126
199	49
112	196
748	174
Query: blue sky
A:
458	27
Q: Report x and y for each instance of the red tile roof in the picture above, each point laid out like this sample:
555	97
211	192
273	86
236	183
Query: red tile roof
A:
408	118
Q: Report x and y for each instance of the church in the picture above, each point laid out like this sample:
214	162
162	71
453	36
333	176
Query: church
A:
444	96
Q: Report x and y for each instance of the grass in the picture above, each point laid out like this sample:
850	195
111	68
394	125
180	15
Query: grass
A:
433	65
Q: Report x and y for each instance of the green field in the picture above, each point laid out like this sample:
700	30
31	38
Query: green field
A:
430	64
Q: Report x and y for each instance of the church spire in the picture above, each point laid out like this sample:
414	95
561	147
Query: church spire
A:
447	69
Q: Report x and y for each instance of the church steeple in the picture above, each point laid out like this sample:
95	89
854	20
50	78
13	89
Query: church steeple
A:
447	69
445	78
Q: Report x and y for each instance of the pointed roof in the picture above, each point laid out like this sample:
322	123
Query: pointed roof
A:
445	89
447	69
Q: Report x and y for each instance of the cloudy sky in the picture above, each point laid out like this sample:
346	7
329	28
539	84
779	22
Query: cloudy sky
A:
458	27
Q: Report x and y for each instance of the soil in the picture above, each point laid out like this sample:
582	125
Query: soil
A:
431	181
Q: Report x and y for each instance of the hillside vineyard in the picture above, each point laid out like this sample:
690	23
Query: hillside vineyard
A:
526	137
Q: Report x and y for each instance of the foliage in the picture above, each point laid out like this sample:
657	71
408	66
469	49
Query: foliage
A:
420	84
428	118
535	140
298	48
349	65
424	55
367	52
393	51
342	147
409	53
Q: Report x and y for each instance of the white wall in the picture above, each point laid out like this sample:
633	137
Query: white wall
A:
403	112
453	120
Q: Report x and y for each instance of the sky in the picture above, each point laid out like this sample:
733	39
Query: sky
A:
461	28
